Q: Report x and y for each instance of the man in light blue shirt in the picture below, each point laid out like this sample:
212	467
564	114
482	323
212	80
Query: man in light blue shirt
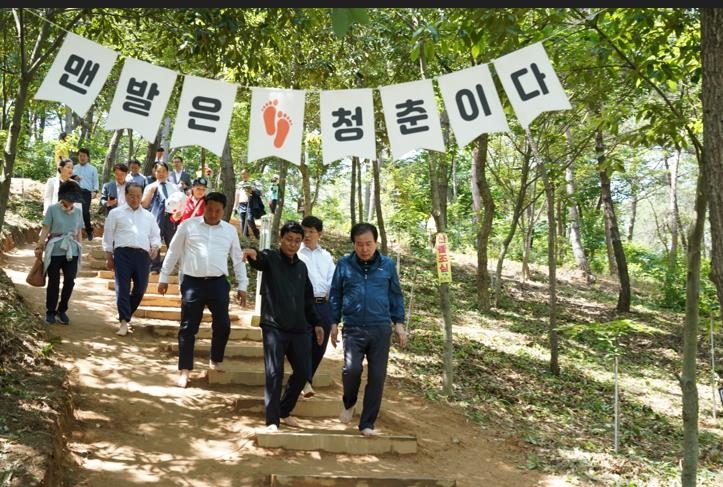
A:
87	177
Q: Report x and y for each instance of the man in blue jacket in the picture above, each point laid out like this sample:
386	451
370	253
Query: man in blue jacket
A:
365	294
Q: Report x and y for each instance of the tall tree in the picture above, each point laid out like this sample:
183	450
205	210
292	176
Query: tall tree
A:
44	45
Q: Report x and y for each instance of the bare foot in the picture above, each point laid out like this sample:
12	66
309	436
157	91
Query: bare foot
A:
122	329
182	380
215	366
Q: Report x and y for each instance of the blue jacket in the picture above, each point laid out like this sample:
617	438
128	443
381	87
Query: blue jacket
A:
366	295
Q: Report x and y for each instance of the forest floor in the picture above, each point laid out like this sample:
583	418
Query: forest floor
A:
84	407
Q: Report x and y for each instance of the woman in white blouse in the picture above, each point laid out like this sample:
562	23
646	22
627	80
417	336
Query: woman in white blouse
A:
65	171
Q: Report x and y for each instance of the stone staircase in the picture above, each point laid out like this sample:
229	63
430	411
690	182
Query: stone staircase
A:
244	370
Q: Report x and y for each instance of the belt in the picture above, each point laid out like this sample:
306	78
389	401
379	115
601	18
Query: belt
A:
132	249
204	278
320	300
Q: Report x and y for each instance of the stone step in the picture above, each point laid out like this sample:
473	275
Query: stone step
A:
90	273
337	442
168	300
106	274
243	330
322	405
93	264
247	349
97	253
162	313
173	289
253	375
283	480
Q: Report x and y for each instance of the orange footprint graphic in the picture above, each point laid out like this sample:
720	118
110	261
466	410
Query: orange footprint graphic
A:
283	125
269	111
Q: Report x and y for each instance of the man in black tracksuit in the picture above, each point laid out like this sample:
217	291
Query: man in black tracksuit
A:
287	304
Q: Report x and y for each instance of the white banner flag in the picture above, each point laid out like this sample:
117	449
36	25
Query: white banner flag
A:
141	98
204	113
277	123
530	83
412	118
347	124
77	74
472	103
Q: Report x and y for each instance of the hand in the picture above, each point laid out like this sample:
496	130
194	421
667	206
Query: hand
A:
248	253
241	298
333	334
319	331
153	253
162	288
401	334
39	250
109	262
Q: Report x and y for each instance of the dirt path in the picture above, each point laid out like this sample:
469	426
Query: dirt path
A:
133	427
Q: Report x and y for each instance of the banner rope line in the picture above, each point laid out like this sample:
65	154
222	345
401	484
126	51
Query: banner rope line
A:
561	31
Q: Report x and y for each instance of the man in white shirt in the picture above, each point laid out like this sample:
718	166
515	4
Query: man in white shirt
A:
320	265
131	237
179	176
205	243
87	177
154	199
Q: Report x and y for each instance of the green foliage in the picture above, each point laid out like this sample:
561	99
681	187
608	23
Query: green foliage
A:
35	162
645	264
606	336
343	18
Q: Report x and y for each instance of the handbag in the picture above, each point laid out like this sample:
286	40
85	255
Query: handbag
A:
36	276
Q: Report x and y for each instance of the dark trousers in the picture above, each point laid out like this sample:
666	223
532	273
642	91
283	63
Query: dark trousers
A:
247	221
87	198
318	351
131	267
168	230
295	347
196	294
70	270
373	343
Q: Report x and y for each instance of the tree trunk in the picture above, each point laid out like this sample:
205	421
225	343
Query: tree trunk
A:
516	214
438	185
352	192
305	185
110	155
623	305
484	227
551	260
575	238
527	242
633	214
688	382
228	178
131	149
283	172
26	74
376	204
672	176
359	191
711	173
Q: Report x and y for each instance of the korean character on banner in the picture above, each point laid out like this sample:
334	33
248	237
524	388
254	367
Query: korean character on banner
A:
539	78
82	69
442	258
410	113
443	268
467	103
206	108
137	99
351	121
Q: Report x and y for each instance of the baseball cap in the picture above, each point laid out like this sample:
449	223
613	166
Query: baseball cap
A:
200	182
